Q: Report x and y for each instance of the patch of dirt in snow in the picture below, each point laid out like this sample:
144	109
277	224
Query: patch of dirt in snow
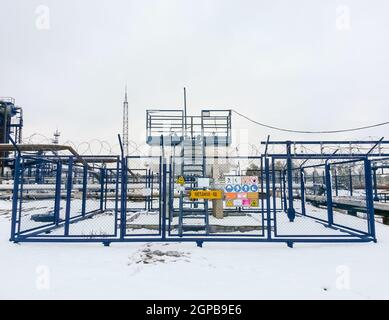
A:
148	255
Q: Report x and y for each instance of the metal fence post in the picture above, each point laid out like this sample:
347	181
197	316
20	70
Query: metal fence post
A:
123	198
369	198
273	176
102	184
164	173
69	187
302	190
284	191
58	181
84	189
15	197
281	191
291	212
330	211
268	201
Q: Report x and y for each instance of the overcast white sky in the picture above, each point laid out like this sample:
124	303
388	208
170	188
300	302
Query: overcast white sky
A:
286	63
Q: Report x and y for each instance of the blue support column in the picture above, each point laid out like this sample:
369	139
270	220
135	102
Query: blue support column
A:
15	196
291	212
69	187
123	198
57	205
302	190
164	207
273	177
330	211
148	186
102	184
181	215
376	198
84	189
281	191
268	202
284	190
262	188
369	198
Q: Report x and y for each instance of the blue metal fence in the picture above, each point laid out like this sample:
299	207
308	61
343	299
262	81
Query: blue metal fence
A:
111	199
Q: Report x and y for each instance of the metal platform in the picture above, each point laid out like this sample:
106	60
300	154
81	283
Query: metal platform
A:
172	127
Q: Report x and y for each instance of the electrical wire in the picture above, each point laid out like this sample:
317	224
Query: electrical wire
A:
309	132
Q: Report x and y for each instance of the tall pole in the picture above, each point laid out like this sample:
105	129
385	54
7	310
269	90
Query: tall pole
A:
185	124
125	124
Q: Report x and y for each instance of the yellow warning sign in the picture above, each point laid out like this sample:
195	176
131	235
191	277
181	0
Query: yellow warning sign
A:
180	180
254	203
229	203
206	194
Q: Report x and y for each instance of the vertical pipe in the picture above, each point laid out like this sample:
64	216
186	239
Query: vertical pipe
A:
68	195
330	211
302	190
291	212
336	182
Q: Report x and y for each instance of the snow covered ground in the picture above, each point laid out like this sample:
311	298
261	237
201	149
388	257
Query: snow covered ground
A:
184	271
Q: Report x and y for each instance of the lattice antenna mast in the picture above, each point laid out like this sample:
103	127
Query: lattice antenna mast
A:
125	124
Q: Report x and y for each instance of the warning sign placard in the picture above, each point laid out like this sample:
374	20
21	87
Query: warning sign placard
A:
206	194
180	180
242	190
253	203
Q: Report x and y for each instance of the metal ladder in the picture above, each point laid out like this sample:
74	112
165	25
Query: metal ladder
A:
193	166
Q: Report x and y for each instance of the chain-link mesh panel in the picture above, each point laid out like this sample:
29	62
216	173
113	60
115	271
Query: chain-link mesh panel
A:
37	194
94	197
143	196
313	187
349	211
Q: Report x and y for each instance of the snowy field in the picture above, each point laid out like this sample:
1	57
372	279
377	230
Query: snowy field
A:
184	271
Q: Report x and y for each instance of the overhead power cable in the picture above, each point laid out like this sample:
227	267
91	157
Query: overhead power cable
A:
306	131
